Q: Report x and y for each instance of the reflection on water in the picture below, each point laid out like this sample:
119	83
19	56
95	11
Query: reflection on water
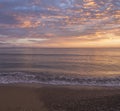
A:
58	61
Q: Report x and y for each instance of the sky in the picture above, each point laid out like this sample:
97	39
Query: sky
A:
59	23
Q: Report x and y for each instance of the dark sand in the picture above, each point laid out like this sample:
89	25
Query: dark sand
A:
58	98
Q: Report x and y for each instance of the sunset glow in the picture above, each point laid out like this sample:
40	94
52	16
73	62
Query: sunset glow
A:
59	23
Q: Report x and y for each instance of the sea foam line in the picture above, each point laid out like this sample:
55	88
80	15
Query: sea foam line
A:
25	77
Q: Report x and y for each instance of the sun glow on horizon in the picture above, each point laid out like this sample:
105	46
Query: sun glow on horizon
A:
58	23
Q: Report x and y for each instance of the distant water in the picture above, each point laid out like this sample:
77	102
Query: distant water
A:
60	66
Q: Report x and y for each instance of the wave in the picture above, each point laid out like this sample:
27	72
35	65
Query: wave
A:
26	77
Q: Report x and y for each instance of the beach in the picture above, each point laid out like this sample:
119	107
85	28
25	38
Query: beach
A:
37	97
59	55
59	80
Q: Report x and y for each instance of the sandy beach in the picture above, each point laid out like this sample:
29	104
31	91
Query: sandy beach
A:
58	98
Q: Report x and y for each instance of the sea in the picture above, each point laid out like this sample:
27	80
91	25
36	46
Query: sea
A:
60	66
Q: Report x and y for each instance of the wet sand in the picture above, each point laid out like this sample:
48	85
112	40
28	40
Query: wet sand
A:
58	98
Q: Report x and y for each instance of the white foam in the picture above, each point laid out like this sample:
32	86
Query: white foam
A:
24	77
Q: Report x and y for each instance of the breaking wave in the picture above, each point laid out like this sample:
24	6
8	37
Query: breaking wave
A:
25	77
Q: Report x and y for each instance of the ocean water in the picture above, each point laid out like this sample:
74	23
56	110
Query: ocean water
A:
80	66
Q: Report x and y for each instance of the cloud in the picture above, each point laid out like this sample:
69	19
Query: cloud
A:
7	19
59	20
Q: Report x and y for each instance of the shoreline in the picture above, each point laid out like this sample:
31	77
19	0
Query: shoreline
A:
39	85
39	97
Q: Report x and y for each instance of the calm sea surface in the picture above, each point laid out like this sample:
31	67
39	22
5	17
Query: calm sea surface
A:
60	66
